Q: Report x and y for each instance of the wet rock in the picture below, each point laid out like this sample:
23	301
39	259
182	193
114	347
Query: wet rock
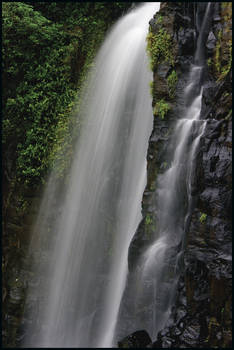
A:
202	316
16	295
185	62
138	339
163	70
191	335
14	228
139	242
167	342
176	331
211	42
161	88
183	20
209	90
181	313
186	41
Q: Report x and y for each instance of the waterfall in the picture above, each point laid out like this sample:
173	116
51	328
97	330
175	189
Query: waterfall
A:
81	238
151	288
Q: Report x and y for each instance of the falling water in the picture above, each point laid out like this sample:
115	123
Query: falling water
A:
81	267
152	285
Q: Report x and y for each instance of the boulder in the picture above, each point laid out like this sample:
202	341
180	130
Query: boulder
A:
138	339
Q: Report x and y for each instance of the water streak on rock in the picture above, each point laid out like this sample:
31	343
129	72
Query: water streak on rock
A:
153	282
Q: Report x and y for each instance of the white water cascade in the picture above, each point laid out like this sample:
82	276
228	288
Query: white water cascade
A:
81	264
151	287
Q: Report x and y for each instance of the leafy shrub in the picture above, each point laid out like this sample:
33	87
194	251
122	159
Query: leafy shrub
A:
161	108
172	81
47	50
159	48
202	218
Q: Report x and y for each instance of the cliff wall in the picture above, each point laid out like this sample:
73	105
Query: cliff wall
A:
201	316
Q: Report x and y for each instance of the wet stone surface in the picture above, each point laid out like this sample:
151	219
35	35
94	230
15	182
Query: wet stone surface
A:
138	339
201	317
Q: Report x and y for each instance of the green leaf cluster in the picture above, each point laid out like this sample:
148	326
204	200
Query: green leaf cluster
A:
202	218
171	82
148	220
159	48
150	225
221	62
161	108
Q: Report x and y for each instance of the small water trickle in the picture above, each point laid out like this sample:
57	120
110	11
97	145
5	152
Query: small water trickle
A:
203	35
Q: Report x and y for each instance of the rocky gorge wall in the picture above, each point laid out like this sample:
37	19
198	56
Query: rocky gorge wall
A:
20	205
201	316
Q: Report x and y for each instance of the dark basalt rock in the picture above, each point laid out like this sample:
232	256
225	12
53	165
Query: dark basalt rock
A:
211	42
163	70
186	40
139	242
138	339
207	258
201	317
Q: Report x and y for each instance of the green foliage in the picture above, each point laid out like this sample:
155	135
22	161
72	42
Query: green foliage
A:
153	186
159	18
222	59
172	81
151	85
148	220
209	62
202	218
35	86
222	70
150	225
225	69
161	108
159	48
164	165
85	15
228	115
218	52
47	50
64	135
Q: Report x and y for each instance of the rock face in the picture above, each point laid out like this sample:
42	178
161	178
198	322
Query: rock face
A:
20	209
201	316
138	339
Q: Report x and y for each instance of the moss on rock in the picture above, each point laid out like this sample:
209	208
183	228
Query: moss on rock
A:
159	47
161	108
